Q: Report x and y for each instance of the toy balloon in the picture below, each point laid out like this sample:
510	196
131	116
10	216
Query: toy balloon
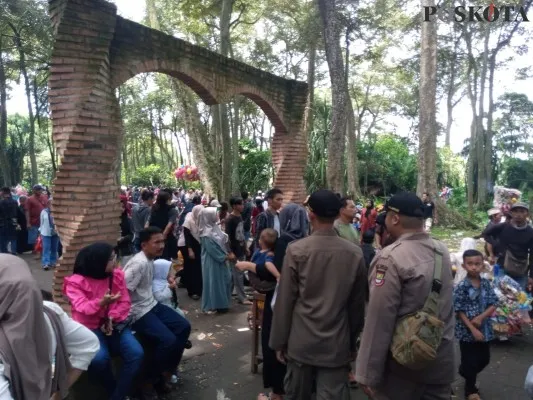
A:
189	171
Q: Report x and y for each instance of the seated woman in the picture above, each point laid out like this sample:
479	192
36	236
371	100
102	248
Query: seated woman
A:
100	301
25	368
70	346
80	344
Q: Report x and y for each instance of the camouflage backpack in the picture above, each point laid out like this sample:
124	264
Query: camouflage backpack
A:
417	336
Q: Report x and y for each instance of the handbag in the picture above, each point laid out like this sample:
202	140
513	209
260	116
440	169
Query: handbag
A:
38	248
417	336
514	266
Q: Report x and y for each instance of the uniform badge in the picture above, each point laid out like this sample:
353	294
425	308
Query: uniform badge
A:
379	280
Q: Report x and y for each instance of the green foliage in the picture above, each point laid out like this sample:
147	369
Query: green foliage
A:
518	174
390	165
255	166
450	168
315	171
515	126
153	175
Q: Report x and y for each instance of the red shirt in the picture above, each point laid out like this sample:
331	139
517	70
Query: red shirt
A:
34	206
369	222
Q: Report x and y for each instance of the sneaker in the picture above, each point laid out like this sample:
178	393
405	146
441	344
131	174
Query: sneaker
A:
46	267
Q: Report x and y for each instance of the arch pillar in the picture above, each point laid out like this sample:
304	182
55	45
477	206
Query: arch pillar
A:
86	131
94	52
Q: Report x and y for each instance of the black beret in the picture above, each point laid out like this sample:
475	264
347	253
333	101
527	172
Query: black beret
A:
406	203
324	203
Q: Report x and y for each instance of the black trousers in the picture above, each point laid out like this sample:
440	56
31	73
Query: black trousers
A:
475	356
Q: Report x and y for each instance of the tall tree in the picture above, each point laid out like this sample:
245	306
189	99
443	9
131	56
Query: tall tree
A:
230	146
427	151
331	28
4	163
23	67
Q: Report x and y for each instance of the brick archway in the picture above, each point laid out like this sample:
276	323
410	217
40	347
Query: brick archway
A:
95	51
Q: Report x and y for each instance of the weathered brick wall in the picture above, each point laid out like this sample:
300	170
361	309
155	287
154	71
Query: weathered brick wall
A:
95	51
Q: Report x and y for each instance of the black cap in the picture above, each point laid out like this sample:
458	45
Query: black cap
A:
324	203
406	203
38	187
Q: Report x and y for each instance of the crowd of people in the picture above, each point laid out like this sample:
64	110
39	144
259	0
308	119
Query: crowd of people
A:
388	275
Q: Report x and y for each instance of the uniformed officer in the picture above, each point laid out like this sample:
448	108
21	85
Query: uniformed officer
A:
400	281
319	311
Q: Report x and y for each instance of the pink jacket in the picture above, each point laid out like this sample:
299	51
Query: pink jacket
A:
85	293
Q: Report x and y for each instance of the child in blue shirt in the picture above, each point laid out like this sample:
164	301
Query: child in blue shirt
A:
265	253
474	303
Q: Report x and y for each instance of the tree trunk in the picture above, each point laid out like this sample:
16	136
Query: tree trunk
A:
27	85
230	173
471	78
427	154
4	163
339	91
490	119
480	131
449	100
125	162
353	175
311	67
44	127
152	138
235	180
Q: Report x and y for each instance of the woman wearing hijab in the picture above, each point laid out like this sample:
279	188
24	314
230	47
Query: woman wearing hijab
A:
294	225
25	368
192	265
368	218
100	300
215	272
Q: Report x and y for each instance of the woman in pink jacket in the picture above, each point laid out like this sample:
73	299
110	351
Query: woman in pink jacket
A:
100	301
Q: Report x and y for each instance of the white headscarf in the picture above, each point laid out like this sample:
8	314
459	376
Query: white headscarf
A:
191	221
161	269
208	227
457	259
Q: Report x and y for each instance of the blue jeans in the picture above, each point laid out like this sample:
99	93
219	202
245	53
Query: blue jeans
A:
247	236
4	243
137	245
132	354
33	234
49	255
169	331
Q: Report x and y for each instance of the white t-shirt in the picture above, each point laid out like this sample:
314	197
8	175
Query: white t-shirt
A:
277	227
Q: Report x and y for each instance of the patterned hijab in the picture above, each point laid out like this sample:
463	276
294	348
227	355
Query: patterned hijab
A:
208	226
24	344
293	221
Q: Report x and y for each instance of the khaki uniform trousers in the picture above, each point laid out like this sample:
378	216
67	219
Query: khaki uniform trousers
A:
331	383
396	388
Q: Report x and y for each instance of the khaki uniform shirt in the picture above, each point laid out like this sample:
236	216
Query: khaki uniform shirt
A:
319	311
400	280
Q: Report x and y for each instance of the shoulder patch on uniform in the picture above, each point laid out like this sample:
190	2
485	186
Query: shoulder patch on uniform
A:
381	270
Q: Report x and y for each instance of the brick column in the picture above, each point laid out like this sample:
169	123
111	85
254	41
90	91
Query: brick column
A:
86	129
289	154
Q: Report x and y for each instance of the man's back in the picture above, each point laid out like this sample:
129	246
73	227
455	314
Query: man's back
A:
400	282
324	276
140	216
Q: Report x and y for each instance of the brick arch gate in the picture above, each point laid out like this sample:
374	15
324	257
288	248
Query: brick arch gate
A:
95	51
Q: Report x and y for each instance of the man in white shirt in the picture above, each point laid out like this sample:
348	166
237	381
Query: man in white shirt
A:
169	330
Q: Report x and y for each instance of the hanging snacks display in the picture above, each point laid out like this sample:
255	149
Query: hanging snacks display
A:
513	308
